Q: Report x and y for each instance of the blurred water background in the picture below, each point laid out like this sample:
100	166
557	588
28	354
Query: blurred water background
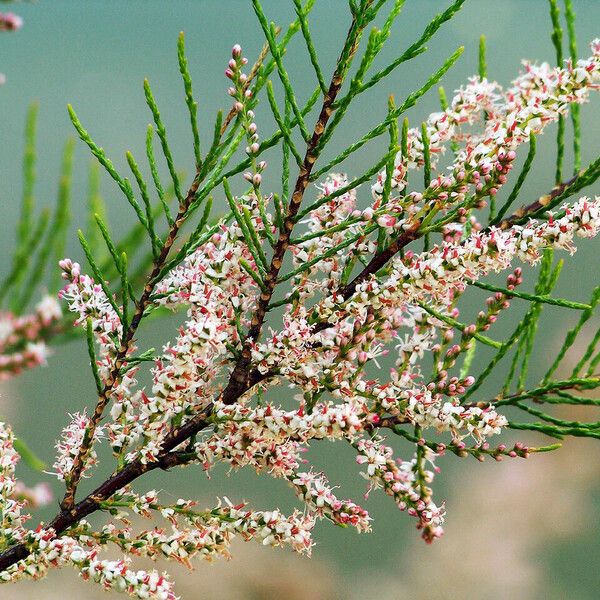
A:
515	530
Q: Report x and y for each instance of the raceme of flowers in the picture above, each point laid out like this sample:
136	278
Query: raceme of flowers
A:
326	347
23	339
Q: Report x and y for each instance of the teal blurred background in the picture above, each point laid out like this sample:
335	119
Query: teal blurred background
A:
522	530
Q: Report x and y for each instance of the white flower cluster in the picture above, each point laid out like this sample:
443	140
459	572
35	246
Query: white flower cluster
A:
210	534
271	439
538	97
314	490
405	481
11	516
68	446
114	575
329	215
443	272
217	292
470	103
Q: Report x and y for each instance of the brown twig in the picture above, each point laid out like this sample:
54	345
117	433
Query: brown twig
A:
538	205
381	259
117	481
239	377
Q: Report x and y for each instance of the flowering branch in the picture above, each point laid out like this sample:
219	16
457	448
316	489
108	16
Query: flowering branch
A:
359	288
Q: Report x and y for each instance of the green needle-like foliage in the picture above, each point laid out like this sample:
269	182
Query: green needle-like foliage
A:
156	243
309	45
155	175
482	58
162	135
29	176
107	164
461	327
410	101
98	274
269	32
282	123
532	297
557	36
189	96
92	354
52	248
417	47
96	206
575	109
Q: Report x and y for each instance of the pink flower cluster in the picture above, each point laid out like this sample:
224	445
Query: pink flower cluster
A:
14	494
23	338
271	440
10	22
220	296
216	291
443	272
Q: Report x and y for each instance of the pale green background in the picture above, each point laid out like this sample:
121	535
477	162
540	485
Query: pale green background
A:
520	530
